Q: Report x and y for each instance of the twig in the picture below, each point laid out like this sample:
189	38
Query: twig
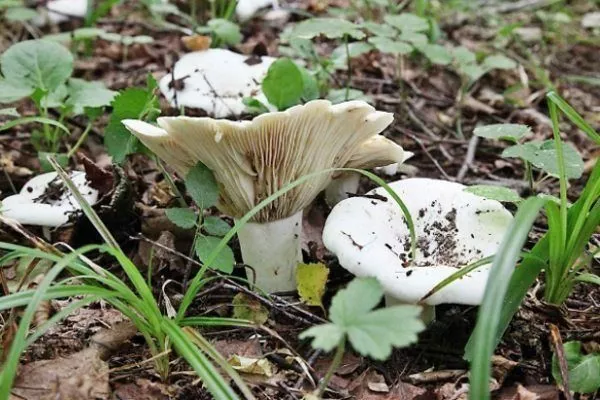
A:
424	148
518	5
470	156
562	361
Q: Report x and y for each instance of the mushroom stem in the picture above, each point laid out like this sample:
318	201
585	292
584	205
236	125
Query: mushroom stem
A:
272	249
339	188
427	311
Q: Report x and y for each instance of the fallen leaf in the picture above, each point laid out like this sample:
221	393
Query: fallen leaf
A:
256	366
82	376
311	280
246	307
196	42
142	389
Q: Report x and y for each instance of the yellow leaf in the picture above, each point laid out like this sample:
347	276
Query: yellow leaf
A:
258	366
311	280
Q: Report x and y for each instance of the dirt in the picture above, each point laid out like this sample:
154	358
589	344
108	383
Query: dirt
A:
425	119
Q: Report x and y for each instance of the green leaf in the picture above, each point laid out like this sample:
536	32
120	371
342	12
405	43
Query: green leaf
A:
339	95
284	84
132	103
407	22
418	39
223	262
462	55
332	28
355	49
436	54
182	217
502	131
311	280
310	85
88	94
225	30
10	92
387	45
589	278
584	370
20	14
379	29
499	61
215	226
202	187
35	64
249	308
498	193
254	106
326	336
371	333
472	71
543	156
61	158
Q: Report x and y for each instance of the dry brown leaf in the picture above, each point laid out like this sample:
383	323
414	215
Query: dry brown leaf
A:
143	389
81	376
196	42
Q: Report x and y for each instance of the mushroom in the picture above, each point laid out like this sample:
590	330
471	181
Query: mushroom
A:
375	149
251	160
60	11
454	228
216	81
245	9
45	201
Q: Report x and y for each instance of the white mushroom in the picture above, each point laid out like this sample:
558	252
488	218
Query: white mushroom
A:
454	228
216	81
251	160
45	201
375	149
245	9
61	10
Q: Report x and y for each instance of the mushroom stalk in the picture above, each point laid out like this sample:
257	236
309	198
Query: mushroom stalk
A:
427	311
273	250
339	188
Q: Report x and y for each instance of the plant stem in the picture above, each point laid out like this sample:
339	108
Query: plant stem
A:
564	206
348	64
171	183
335	363
81	139
529	174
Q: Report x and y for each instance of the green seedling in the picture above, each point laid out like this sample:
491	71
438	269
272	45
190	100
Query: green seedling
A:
41	71
372	333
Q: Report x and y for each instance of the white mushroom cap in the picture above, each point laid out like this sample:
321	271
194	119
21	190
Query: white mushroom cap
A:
253	159
245	9
454	228
40	204
61	10
216	81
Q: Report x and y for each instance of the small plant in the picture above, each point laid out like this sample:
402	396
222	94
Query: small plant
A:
140	103
41	70
542	155
372	333
562	253
583	369
202	187
286	84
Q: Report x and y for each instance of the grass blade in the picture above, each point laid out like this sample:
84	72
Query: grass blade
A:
488	320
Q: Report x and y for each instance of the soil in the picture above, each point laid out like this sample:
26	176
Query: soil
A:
425	112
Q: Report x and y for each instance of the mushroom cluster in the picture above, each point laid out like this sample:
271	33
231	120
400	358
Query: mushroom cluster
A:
251	160
370	237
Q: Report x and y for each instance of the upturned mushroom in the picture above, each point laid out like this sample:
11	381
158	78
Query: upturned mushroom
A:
251	160
454	228
216	81
45	201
